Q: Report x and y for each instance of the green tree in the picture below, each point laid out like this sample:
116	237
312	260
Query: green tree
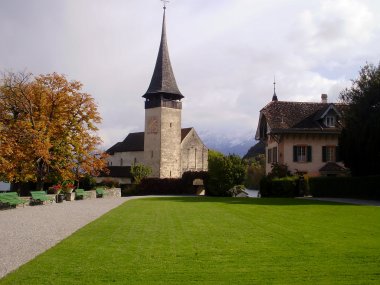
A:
360	137
224	172
139	172
255	171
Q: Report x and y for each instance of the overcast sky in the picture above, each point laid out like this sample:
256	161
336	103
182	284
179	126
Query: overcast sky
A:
224	54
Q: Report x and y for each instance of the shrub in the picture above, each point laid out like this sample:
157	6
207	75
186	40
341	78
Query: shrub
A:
87	182
139	172
223	173
279	187
129	190
255	172
279	171
109	183
346	187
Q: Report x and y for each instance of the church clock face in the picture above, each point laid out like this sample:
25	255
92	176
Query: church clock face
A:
153	125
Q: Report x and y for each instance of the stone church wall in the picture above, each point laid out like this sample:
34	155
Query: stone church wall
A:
194	153
170	166
152	140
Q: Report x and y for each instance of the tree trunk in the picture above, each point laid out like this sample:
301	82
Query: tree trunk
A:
40	175
40	184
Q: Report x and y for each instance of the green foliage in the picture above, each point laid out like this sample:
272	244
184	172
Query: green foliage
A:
203	240
360	138
224	172
255	171
346	187
139	172
279	187
87	182
279	171
109	183
129	190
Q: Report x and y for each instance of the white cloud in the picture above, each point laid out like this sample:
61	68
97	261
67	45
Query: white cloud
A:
224	54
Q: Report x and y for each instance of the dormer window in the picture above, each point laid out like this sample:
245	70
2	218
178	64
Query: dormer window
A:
330	121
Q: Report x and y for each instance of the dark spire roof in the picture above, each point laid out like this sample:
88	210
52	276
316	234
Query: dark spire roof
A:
163	80
274	98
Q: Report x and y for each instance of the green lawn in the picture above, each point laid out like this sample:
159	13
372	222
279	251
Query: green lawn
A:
216	241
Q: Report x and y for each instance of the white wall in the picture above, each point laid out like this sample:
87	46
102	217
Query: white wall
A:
128	158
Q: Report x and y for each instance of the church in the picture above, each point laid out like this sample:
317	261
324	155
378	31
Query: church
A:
167	148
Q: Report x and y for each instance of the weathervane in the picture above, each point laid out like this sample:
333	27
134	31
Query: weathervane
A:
274	84
165	2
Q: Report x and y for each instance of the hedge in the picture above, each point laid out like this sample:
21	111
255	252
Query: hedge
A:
279	187
346	187
167	186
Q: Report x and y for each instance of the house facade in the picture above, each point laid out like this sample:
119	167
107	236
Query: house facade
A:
302	135
167	148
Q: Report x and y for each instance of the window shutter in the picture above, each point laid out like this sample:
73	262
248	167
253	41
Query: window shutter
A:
309	153
337	154
295	153
324	153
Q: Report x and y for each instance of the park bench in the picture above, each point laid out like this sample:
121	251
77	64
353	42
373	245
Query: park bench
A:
11	199
40	197
80	194
100	192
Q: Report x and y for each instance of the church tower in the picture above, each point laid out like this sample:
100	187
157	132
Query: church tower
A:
162	138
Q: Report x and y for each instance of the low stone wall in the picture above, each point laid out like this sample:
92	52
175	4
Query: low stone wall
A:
109	193
113	192
91	194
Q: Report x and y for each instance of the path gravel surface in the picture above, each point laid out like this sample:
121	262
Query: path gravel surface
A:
29	231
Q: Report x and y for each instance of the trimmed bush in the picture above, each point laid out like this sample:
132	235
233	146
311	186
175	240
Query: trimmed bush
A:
279	187
167	186
156	186
346	187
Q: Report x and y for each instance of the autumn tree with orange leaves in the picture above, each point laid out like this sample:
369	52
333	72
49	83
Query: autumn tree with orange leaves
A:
48	129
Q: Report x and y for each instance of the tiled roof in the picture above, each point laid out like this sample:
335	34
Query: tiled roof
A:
185	132
117	171
135	142
332	167
298	116
163	81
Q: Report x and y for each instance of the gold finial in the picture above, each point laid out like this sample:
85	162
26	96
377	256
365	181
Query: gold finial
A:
165	2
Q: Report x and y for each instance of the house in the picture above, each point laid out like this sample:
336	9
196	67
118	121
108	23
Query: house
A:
167	148
302	135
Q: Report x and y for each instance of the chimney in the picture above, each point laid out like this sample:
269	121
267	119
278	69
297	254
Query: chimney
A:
324	98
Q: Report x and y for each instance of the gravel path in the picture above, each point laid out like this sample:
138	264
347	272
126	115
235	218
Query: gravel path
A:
27	232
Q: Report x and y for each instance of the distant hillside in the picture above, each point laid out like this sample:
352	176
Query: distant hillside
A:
258	148
227	147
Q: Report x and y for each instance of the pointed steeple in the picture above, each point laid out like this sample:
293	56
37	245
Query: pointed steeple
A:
163	82
274	98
